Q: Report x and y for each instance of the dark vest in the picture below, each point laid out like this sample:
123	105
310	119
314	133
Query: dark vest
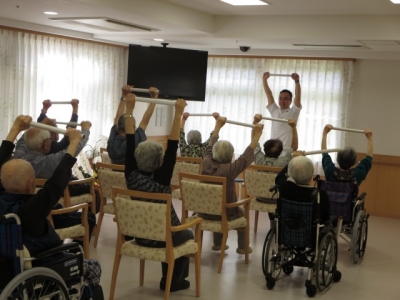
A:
9	203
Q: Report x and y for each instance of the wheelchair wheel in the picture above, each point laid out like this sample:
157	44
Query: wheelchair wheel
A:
326	261
359	236
36	283
271	258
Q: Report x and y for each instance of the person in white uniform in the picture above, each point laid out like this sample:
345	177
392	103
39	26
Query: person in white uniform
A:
280	130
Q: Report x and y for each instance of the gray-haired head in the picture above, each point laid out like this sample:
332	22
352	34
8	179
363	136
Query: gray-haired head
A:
194	137
346	158
121	123
34	138
223	152
301	169
149	155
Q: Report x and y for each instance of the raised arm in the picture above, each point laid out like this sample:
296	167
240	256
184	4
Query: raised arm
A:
46	106
180	105
126	89
85	126
327	128
257	119
218	125
150	109
205	144
267	90
295	139
130	161
75	108
255	135
297	90
370	147
74	137
21	123
185	116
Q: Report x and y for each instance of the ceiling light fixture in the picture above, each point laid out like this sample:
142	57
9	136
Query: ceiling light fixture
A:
159	40
395	1
245	2
50	13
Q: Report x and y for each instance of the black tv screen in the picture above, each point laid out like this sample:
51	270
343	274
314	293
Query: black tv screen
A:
177	73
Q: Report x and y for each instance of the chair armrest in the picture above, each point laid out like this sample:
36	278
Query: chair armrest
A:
187	225
242	202
80	181
362	196
55	250
83	206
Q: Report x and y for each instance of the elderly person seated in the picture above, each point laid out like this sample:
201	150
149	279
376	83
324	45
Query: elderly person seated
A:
193	147
273	148
346	159
34	146
54	136
218	162
294	184
18	179
148	169
116	143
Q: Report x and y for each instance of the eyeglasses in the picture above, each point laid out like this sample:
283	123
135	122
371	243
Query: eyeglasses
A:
286	99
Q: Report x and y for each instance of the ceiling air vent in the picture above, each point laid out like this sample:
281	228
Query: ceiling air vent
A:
331	47
103	23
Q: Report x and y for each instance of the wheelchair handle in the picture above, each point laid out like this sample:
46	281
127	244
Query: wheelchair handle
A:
274	188
362	196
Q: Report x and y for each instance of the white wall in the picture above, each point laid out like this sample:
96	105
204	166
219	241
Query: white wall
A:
376	105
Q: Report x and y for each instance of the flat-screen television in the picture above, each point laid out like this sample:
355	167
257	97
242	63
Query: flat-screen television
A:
177	73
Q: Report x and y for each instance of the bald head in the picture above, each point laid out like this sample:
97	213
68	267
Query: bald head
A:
18	177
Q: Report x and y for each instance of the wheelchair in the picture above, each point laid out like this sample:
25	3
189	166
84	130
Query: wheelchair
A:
297	238
60	278
348	205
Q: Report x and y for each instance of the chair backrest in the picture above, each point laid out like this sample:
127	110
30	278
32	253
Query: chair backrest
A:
145	215
296	224
259	179
187	165
105	158
203	194
110	175
340	196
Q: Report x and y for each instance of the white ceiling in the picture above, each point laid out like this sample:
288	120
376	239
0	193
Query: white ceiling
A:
362	29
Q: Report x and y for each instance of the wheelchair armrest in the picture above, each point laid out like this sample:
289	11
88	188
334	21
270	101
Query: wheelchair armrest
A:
362	196
55	250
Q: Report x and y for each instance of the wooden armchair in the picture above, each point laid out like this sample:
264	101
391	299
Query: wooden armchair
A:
109	175
207	194
131	215
258	180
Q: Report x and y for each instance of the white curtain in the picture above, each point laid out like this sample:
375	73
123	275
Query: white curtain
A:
235	90
35	67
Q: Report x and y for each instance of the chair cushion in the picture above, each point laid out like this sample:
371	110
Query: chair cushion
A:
109	209
132	249
85	198
215	226
260	206
71	232
176	194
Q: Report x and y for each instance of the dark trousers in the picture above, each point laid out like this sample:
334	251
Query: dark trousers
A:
80	189
181	266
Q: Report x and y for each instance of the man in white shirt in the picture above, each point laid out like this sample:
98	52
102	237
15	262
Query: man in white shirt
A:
280	130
